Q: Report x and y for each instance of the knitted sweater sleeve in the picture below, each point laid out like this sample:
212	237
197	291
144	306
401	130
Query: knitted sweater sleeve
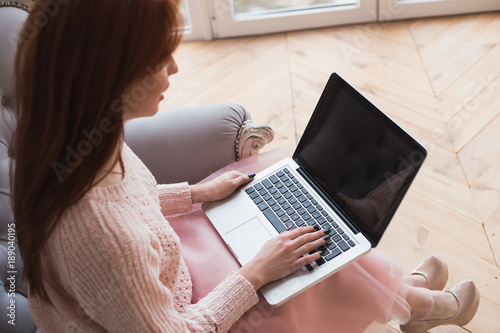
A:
174	198
115	278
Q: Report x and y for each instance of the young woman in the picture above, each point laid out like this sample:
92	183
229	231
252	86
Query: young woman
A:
99	255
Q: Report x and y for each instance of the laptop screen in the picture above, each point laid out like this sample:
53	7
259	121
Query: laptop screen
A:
359	158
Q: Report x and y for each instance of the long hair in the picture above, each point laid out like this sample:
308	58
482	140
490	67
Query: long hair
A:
75	59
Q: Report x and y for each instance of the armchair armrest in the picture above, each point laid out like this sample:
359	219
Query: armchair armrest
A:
188	144
252	138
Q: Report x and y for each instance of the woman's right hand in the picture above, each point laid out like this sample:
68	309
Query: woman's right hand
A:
283	255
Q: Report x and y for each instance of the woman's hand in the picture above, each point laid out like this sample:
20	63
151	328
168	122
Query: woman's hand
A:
283	255
220	187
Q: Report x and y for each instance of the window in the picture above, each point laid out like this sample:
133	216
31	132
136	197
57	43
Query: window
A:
208	19
403	9
250	17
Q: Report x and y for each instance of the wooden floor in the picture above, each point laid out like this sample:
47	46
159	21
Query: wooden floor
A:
439	78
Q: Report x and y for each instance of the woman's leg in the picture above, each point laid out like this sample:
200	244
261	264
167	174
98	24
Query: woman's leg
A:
431	304
431	308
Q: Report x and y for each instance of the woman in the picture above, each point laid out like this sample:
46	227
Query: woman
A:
99	255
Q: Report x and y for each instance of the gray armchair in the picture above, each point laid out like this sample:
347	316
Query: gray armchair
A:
177	145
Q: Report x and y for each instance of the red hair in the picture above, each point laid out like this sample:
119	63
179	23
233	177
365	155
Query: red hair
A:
75	59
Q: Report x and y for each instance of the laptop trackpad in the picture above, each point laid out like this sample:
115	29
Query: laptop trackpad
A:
247	239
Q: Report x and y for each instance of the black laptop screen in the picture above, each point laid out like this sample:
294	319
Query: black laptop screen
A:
359	157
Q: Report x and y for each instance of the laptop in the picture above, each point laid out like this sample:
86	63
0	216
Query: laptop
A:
349	173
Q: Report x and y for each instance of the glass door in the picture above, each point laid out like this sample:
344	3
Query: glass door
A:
251	17
196	20
403	9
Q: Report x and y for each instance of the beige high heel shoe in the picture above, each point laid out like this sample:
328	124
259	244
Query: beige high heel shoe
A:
467	296
435	271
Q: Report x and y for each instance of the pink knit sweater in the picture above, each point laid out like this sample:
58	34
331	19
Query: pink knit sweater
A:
113	264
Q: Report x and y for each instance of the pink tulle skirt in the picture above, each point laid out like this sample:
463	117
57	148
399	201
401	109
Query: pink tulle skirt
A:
362	297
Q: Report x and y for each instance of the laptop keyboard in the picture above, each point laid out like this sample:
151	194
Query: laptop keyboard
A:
287	205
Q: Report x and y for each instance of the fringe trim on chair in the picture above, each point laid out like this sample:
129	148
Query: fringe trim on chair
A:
22	4
251	138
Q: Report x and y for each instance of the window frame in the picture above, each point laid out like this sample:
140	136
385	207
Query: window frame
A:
199	14
214	18
406	9
227	25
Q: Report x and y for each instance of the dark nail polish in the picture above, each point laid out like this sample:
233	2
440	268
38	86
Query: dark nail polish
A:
327	231
316	227
327	238
251	175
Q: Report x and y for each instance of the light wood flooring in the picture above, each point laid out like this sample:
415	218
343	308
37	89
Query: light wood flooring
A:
439	78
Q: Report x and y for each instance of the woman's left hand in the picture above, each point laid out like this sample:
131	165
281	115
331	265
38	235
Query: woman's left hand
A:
220	187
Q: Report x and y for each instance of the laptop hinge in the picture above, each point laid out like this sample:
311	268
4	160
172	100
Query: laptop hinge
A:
330	202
